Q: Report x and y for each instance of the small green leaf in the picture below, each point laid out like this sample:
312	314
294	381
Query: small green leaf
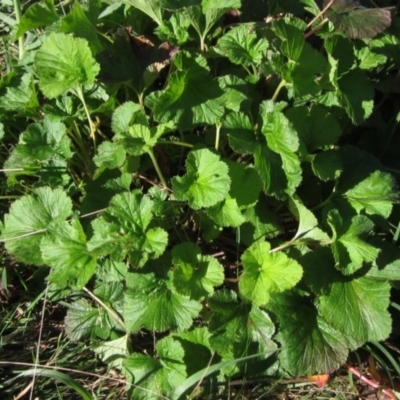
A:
114	352
227	213
63	63
358	309
109	155
241	46
349	248
124	116
265	273
206	181
141	138
327	165
28	219
64	249
308	224
156	378
153	304
195	275
153	8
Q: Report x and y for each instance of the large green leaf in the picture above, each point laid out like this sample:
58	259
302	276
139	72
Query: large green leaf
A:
234	326
206	181
375	194
63	63
358	308
154	378
309	344
28	220
192	96
64	249
36	16
154	304
316	127
349	247
241	46
123	230
265	273
195	275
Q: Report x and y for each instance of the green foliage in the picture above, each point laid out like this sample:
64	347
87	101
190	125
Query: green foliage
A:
233	199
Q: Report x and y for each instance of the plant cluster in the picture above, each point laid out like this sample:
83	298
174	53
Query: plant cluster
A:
219	174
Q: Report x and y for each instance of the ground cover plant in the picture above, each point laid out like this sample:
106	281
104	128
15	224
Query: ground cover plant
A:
208	187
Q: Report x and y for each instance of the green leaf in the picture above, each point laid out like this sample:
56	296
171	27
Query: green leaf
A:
358	308
141	138
195	275
375	194
235	325
156	378
123	230
192	96
20	95
206	181
240	132
198	352
124	117
291	31
308	224
153	8
78	22
36	16
114	352
349	248
265	273
316	127
64	249
236	93
327	165
227	213
64	63
29	217
260	223
109	155
309	344
153	304
241	46
83	320
174	30
358	104
240	173
40	147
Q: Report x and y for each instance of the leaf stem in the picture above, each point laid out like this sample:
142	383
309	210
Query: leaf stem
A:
308	34
79	94
320	14
108	309
157	168
183	144
282	83
21	47
217	135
